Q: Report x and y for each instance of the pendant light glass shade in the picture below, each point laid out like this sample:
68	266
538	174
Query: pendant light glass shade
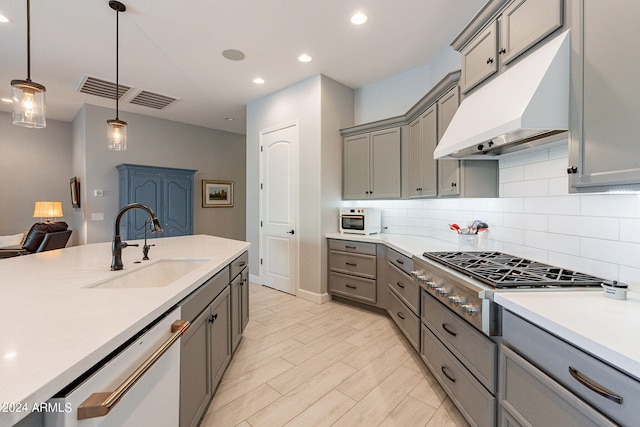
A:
28	97
117	131
28	104
116	128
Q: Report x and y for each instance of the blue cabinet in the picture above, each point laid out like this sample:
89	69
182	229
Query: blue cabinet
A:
168	191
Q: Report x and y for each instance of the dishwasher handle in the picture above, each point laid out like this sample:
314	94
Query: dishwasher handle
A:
100	404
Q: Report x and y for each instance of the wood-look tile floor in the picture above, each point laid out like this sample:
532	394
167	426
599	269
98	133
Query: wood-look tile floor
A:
303	364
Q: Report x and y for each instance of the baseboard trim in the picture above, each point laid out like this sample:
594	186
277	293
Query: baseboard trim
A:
255	279
313	297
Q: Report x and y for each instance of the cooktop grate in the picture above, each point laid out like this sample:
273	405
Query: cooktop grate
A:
502	270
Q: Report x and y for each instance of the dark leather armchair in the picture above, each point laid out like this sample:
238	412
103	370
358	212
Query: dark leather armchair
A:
43	236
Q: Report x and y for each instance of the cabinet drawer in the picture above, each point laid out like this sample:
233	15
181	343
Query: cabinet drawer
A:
351	246
405	288
202	297
524	390
475	350
556	357
351	263
474	401
239	264
402	262
408	322
353	287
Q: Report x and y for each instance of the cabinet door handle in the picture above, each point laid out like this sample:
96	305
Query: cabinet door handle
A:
351	264
400	285
490	61
351	286
213	318
594	386
100	404
502	51
449	377
448	330
400	315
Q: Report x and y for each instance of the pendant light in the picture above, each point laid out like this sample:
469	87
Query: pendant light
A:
116	128
28	97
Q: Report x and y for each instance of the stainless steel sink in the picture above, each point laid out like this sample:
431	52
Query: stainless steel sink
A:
156	274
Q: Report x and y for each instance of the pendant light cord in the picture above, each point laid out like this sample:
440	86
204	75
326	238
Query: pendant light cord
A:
28	40
117	60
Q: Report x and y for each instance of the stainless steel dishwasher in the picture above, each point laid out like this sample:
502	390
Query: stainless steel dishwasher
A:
137	386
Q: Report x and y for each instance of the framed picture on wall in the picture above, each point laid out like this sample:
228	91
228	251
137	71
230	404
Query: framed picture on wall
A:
217	194
74	186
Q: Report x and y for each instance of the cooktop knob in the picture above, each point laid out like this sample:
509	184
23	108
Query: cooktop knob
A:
470	309
432	285
443	292
456	300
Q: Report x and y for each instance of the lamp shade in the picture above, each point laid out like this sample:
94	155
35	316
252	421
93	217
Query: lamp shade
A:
28	104
47	210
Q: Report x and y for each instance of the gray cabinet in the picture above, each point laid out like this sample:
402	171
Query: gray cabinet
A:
353	270
604	153
423	169
528	397
448	170
507	30
404	297
168	191
206	347
371	165
549	365
239	298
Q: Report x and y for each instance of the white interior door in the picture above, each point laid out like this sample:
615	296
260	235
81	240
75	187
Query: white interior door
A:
279	205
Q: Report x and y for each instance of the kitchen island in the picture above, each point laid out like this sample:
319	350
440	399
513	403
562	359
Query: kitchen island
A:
56	321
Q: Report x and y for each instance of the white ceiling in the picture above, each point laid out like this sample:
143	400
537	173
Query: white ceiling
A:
174	48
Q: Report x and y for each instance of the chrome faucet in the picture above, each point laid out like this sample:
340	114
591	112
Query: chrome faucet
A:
117	244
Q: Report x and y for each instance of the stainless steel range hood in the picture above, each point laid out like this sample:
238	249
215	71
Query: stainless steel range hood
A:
525	106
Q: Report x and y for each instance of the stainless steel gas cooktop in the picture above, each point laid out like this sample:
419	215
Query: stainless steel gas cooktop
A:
501	270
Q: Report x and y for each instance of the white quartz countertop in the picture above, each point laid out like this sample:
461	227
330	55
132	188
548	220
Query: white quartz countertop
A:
607	328
53	327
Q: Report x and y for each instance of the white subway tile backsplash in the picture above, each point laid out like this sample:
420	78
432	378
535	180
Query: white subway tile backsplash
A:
569	205
536	188
587	226
619	205
535	218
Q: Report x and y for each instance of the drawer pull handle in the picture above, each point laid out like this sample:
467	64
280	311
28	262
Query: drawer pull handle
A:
100	404
399	261
242	264
400	285
349	247
594	386
400	315
449	377
351	286
448	330
351	264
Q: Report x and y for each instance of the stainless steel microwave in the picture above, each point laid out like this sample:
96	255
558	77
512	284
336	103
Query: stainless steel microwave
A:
360	220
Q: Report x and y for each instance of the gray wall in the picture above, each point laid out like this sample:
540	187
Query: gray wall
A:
215	154
320	106
35	164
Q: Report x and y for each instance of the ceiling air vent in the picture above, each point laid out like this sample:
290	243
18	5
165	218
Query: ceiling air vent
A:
151	100
103	88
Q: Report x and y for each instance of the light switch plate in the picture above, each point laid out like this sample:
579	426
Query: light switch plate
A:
97	216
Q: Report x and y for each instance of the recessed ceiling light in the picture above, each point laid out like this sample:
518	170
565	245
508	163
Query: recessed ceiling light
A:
304	58
4	19
7	100
233	54
258	81
359	18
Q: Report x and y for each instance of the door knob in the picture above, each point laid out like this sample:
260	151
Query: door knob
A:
291	232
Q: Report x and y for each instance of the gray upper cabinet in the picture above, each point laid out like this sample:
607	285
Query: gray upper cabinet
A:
604	152
423	170
372	165
524	23
448	170
479	57
501	32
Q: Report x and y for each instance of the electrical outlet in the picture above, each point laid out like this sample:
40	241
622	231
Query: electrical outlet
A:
97	216
98	193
